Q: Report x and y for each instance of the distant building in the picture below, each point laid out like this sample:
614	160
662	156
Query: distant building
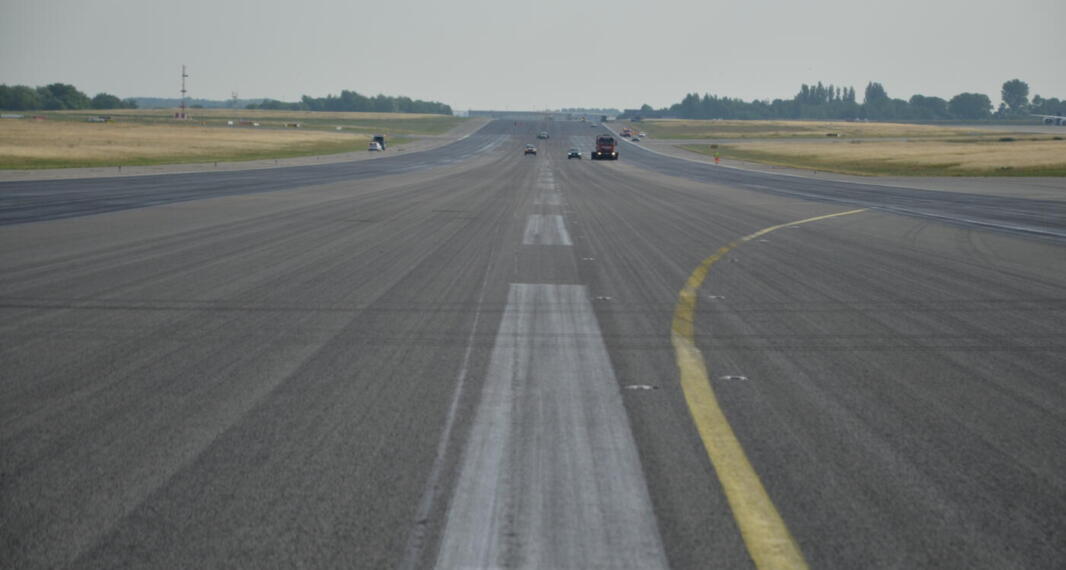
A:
533	115
641	114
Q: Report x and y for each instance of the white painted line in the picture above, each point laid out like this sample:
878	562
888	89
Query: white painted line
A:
548	199
417	539
550	477
546	230
546	183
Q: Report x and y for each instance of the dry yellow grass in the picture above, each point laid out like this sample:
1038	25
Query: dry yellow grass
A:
43	144
978	157
702	129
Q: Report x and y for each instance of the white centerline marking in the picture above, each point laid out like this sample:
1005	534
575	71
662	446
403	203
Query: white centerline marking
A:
550	477
548	199
546	230
416	540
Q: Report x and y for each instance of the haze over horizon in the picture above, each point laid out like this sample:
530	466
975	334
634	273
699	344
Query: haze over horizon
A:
509	55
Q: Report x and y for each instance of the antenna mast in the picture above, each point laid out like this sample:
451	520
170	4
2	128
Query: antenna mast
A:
182	114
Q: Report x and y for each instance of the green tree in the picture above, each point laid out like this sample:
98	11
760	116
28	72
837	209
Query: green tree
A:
970	106
352	101
106	101
1050	106
19	98
27	98
690	107
1015	94
922	107
876	102
875	93
58	96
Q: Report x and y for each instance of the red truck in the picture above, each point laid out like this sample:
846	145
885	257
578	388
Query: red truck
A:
606	149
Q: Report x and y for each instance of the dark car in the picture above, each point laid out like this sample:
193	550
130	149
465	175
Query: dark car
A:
573	153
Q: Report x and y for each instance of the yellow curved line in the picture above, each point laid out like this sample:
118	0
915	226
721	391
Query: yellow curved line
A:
769	542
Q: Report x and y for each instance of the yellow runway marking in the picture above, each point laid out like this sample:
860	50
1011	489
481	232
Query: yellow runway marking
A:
769	542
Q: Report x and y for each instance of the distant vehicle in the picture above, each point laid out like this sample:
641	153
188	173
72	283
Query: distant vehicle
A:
542	135
1053	120
573	153
605	148
375	145
530	149
380	139
627	132
635	139
644	135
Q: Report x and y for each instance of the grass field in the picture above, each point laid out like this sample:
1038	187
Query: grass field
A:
1024	155
145	137
686	129
370	123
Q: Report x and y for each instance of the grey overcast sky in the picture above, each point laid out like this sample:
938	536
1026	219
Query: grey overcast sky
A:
533	54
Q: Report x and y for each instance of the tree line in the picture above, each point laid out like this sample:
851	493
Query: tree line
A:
829	102
353	101
57	97
61	97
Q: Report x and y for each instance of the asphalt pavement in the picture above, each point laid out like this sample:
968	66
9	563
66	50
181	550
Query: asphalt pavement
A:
1002	212
464	357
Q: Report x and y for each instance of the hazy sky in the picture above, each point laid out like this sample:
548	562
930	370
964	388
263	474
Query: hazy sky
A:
533	54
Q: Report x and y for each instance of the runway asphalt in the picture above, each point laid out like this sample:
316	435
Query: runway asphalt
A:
1000	212
469	356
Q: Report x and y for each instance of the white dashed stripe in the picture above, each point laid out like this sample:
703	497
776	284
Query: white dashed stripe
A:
546	230
550	476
